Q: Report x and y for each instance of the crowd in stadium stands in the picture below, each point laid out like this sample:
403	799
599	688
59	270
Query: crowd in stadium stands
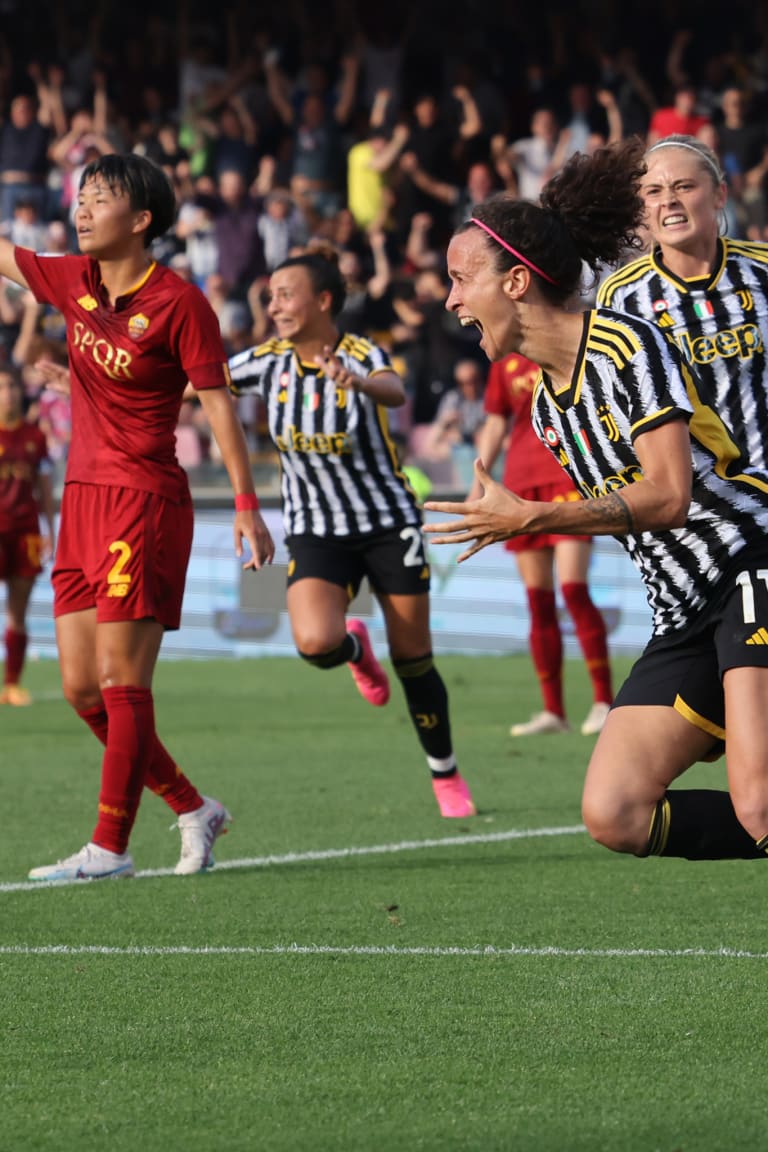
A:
373	128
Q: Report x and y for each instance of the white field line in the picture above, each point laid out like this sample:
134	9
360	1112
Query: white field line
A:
481	951
321	855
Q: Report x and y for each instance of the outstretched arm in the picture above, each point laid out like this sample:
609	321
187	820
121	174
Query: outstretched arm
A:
8	266
657	502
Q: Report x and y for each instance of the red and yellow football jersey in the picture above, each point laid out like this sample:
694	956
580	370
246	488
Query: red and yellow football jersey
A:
508	393
129	366
23	454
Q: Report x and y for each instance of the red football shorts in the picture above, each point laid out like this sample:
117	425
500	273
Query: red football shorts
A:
20	555
122	551
556	492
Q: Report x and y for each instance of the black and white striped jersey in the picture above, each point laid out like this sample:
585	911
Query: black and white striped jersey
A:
340	474
718	322
630	379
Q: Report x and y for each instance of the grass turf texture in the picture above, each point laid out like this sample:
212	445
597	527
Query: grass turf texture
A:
575	1041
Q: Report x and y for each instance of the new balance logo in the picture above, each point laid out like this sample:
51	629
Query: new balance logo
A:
759	637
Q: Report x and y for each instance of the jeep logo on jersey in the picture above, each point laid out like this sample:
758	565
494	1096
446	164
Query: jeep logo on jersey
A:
138	326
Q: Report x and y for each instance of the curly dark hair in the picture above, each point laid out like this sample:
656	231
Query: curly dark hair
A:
589	212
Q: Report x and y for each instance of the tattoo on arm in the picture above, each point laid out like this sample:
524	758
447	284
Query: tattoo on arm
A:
607	514
624	512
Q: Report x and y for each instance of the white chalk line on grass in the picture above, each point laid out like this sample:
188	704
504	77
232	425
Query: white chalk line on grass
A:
482	951
320	855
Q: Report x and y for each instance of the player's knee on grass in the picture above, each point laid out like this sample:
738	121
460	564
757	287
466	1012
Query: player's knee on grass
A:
618	823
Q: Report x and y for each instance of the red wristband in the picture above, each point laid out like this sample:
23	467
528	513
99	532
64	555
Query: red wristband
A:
246	502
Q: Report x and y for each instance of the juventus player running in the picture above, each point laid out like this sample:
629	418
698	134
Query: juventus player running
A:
347	509
709	293
659	470
136	334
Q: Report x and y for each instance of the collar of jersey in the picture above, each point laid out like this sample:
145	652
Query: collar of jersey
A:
568	395
686	285
134	288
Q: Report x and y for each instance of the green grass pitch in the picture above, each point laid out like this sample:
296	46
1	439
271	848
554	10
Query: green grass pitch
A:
499	983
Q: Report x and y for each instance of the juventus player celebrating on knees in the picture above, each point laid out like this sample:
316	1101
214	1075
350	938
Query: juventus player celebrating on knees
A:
26	495
660	471
347	510
136	334
709	293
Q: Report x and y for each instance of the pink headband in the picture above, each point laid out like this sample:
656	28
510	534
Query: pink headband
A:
524	259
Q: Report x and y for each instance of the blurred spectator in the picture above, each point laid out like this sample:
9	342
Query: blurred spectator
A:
370	163
481	182
191	444
528	162
460	414
231	136
86	137
315	159
161	143
26	227
196	230
23	157
434	147
634	95
368	309
236	217
679	117
281	226
200	71
54	415
741	146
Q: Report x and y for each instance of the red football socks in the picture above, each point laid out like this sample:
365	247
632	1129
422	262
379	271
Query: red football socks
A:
546	644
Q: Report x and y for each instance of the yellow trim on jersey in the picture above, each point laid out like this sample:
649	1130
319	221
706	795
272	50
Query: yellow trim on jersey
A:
140	283
356	346
710	431
621	277
752	250
698	721
651	419
273	346
613	339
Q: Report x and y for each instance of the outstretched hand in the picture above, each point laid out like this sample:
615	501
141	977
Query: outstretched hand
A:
335	369
497	515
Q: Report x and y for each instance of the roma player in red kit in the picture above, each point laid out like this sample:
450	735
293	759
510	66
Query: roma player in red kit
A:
136	334
26	493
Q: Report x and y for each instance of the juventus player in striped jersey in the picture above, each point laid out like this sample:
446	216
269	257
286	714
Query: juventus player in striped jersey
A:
659	470
347	509
709	293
